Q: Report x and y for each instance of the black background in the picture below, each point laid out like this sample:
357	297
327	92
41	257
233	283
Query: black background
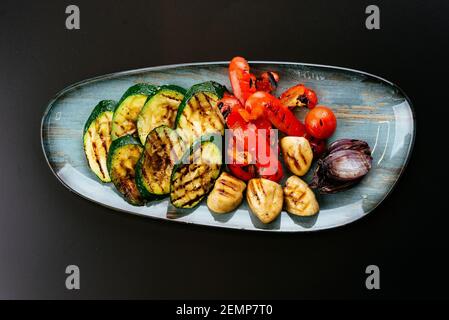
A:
44	227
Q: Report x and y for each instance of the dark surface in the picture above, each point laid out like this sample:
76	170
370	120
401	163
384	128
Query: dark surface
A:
44	227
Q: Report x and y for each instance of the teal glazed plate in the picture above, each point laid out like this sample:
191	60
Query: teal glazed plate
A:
367	108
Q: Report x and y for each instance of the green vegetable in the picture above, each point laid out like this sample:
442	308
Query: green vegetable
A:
159	109
163	149
198	113
97	138
123	156
193	177
128	109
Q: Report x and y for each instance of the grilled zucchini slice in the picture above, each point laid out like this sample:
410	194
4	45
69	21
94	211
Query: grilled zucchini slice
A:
128	109
198	114
163	149
193	177
159	109
123	156
97	138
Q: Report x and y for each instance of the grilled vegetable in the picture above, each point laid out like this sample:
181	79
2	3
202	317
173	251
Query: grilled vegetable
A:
345	164
162	150
97	138
264	199
159	109
198	113
227	194
299	199
122	158
321	122
298	154
227	104
262	103
193	177
128	108
242	81
299	96
267	81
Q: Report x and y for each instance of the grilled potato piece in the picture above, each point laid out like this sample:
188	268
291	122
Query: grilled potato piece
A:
299	199
297	153
227	194
264	199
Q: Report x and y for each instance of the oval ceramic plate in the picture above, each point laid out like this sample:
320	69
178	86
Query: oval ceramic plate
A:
367	108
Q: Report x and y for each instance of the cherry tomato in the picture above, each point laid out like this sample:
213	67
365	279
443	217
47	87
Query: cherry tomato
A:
242	81
299	96
268	82
262	103
321	122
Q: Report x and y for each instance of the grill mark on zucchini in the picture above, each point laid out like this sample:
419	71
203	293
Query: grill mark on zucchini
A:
96	138
162	149
170	97
160	108
193	171
123	156
97	159
128	109
197	113
194	177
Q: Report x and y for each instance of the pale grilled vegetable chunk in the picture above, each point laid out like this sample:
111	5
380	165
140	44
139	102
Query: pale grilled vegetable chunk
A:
162	151
198	113
128	109
195	174
97	138
227	194
264	199
299	199
122	159
159	109
297	153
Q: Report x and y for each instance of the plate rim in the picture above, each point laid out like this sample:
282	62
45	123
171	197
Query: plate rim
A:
259	62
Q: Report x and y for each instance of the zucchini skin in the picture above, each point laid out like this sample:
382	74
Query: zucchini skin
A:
172	87
139	88
142	117
104	106
143	89
116	145
217	140
101	107
208	86
154	140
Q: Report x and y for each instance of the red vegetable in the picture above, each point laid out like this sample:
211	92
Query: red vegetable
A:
227	104
299	96
268	82
264	104
321	122
242	81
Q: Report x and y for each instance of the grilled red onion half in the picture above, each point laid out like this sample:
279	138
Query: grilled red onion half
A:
346	162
